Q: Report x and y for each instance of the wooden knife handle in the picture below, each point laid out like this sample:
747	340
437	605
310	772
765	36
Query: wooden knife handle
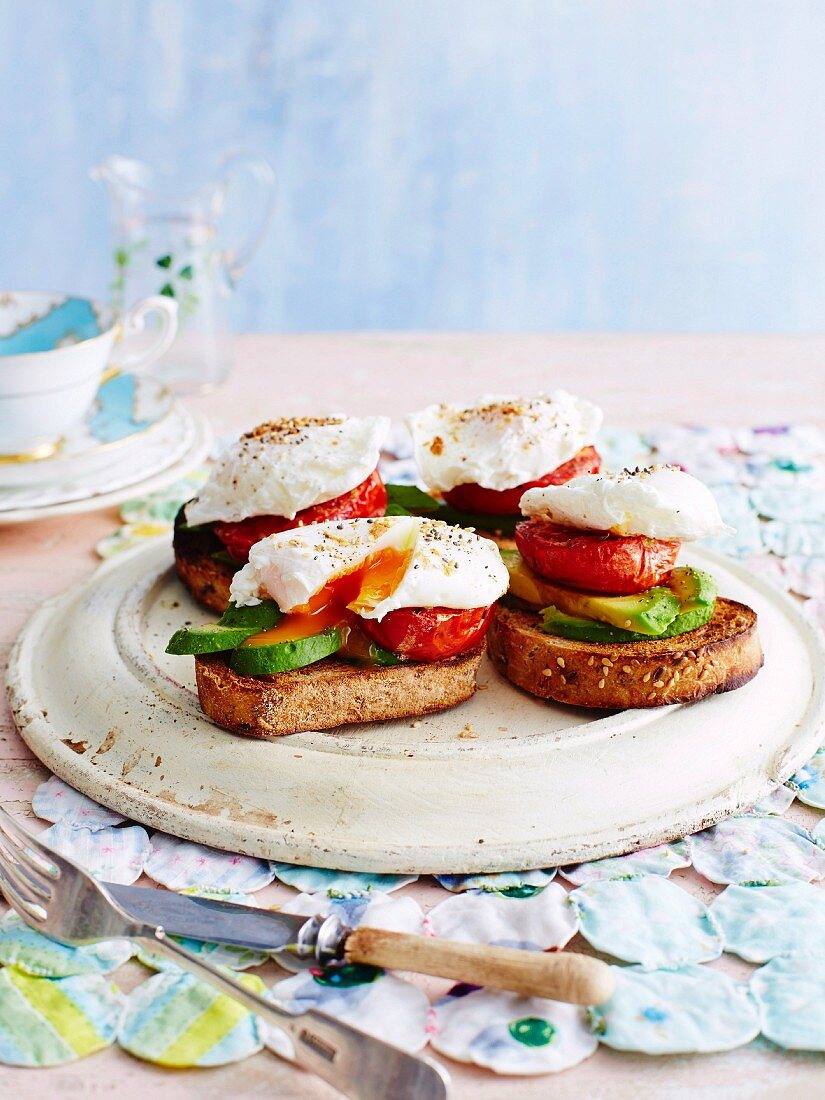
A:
559	976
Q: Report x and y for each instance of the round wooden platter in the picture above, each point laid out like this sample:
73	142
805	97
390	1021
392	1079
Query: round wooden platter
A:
502	782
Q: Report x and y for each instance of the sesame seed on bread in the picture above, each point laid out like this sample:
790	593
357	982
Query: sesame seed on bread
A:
720	656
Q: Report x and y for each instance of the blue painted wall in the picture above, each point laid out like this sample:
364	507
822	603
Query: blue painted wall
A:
444	164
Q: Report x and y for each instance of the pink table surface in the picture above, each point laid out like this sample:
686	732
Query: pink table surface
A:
638	379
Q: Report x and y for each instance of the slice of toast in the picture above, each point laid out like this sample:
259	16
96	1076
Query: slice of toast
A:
720	656
331	693
206	577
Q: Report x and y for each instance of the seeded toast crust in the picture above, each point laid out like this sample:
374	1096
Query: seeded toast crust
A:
331	693
207	578
720	656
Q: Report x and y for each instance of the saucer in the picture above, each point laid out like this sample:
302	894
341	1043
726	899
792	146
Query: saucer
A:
126	407
162	456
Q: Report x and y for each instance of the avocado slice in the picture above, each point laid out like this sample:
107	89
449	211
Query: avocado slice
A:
211	638
265	660
578	629
260	616
693	588
358	649
647	613
233	627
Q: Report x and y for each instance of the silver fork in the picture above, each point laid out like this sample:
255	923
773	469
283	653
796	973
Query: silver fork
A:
55	896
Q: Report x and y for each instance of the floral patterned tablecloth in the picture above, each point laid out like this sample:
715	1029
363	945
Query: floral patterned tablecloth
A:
760	876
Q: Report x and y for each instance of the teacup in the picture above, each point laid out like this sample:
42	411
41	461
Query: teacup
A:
54	353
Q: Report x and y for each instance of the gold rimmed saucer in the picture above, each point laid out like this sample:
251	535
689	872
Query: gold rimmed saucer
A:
36	454
83	444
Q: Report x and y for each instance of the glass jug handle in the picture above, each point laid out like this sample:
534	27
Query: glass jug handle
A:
134	323
264	178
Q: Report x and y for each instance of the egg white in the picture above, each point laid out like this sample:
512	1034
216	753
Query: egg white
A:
661	502
448	567
499	442
281	472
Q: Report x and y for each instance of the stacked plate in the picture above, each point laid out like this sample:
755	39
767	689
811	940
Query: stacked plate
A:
136	438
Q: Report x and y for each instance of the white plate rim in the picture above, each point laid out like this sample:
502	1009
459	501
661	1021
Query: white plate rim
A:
200	825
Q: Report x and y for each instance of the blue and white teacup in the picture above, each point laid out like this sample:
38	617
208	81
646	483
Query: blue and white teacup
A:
55	351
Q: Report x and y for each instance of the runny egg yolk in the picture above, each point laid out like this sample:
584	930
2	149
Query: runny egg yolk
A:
375	579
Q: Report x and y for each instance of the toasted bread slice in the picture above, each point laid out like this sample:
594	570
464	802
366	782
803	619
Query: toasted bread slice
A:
331	693
206	577
720	656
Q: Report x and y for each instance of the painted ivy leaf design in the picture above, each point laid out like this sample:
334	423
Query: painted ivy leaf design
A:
121	257
186	272
168	290
164	261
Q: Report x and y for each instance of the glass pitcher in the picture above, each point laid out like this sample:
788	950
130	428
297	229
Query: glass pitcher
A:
167	242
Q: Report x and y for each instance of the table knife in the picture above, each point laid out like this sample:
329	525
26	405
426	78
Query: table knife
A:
298	942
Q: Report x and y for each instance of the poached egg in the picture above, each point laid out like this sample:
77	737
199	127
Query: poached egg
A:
372	567
662	502
284	466
501	441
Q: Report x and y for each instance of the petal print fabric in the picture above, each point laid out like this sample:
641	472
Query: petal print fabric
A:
648	920
114	855
765	850
533	923
660	860
785	539
175	1020
48	1022
791	1004
55	800
312	879
692	1009
36	954
218	954
809	781
378	1003
777	802
178	864
794	504
805	576
511	1034
511	883
760	922
371	910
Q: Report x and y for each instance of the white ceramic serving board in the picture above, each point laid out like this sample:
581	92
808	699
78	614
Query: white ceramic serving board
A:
534	784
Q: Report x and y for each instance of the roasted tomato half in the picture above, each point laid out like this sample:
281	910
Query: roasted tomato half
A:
365	500
595	560
505	502
428	633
